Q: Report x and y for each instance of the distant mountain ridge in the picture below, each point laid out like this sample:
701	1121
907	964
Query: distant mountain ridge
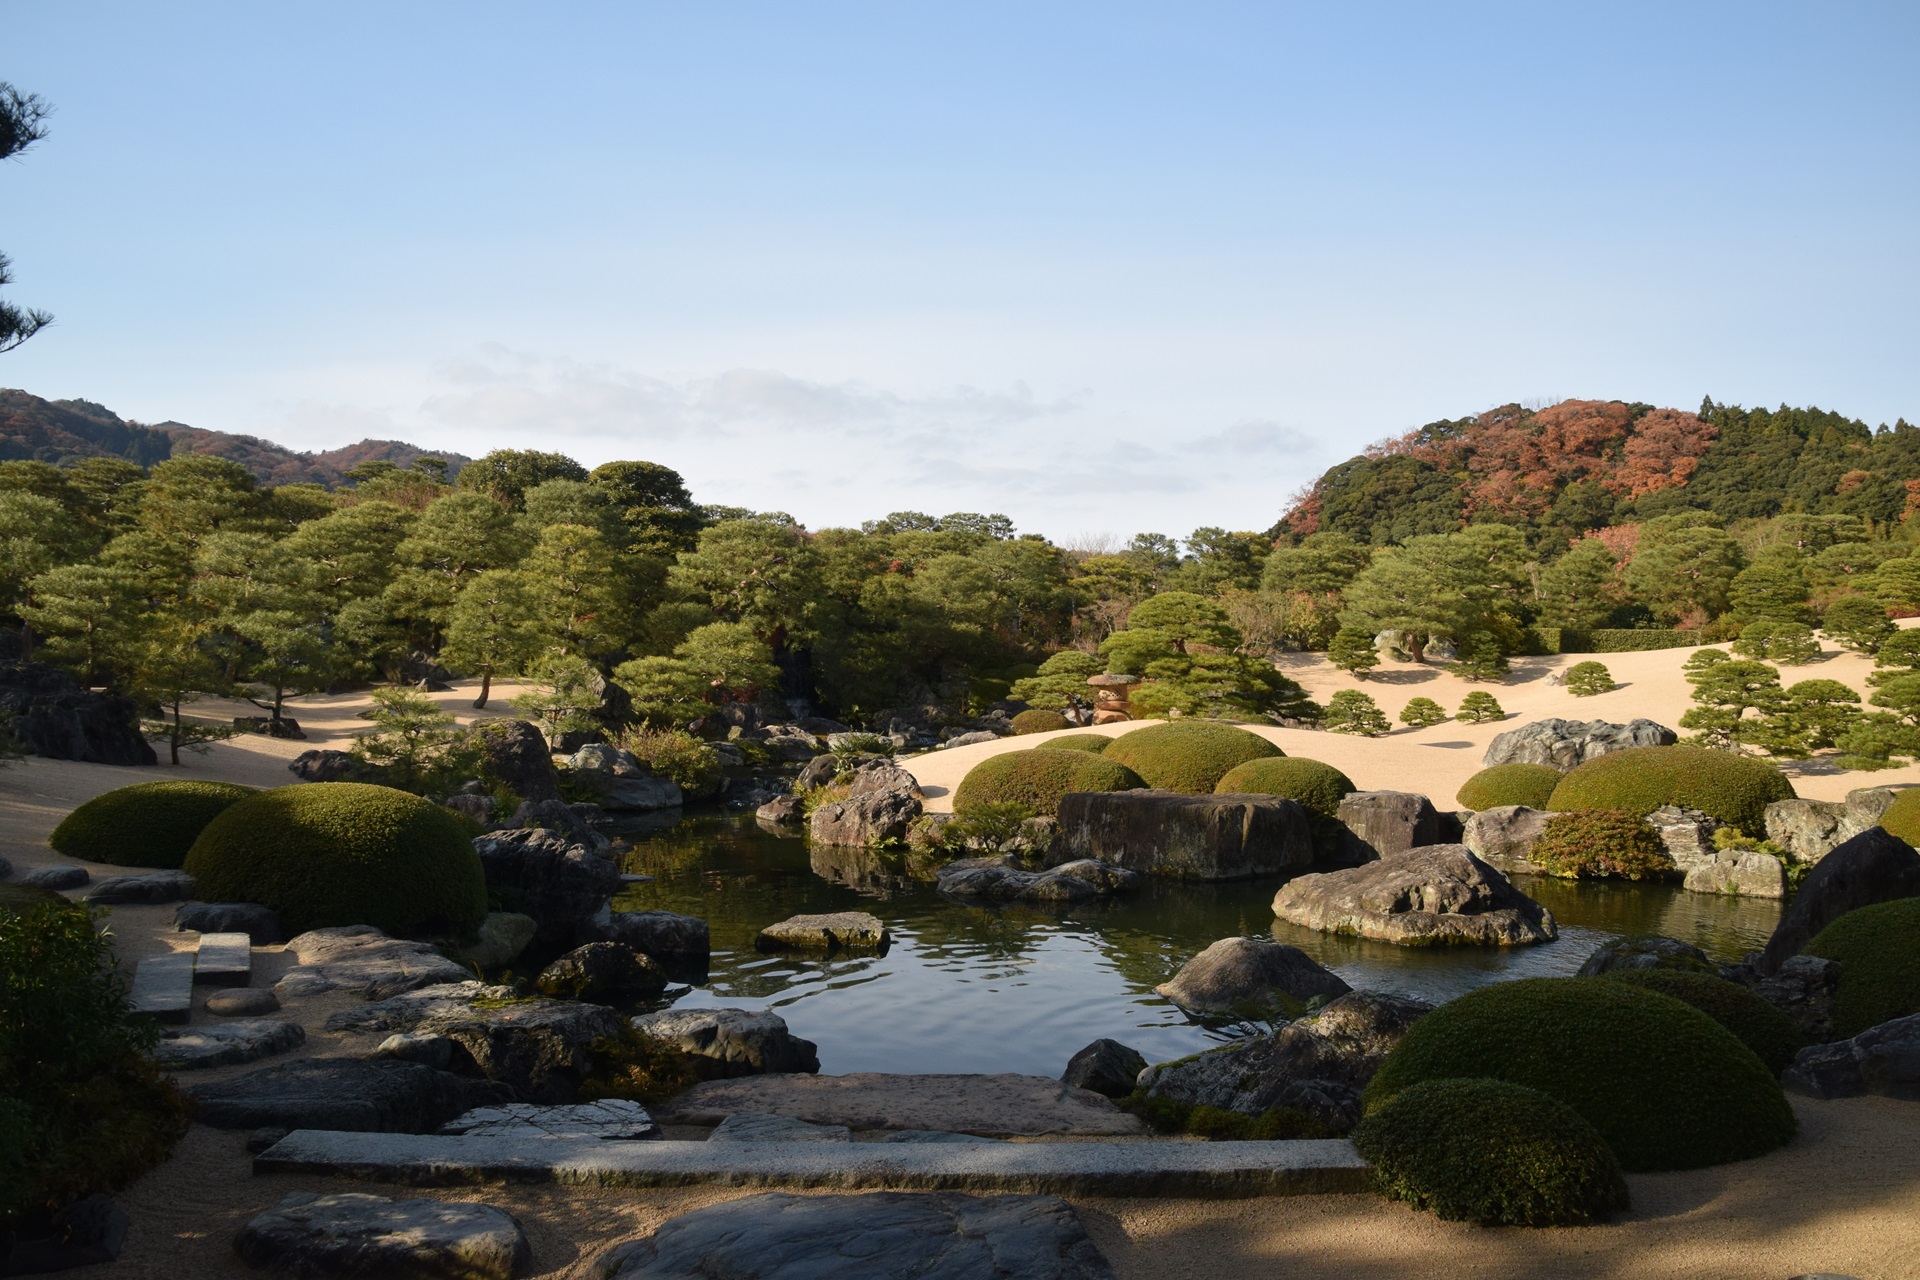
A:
60	431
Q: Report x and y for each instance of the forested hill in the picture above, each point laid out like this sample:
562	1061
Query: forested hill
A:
1558	472
64	431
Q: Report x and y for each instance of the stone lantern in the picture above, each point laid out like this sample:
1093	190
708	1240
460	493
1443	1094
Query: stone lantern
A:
1110	697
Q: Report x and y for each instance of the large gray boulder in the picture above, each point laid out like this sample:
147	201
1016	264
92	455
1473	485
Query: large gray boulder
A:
150	888
359	1095
1504	837
52	716
997	879
326	765
1872	867
1744	873
1883	1059
1803	988
738	1042
1106	1067
226	1044
1646	951
361	959
1563	744
562	884
866	818
1317	1066
1388	823
1811	829
625	783
660	934
880	1235
262	924
1432	897
1687	835
1219	837
1251	978
350	1233
517	755
882	774
572	823
604	973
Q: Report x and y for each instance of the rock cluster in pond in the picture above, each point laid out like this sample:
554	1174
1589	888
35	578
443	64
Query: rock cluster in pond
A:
609	1119
1105	1067
1317	1066
359	1095
622	782
1206	837
737	1042
880	808
1562	744
226	1044
1251	978
604	973
1883	1060
1429	897
1871	867
1504	837
51	715
1386	824
1000	879
355	1234
936	1236
361	959
834	931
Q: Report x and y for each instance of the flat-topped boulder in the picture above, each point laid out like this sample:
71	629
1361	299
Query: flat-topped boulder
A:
226	1044
358	1095
996	1106
866	818
150	888
354	1234
603	972
998	879
262	924
834	931
659	934
1872	867
1437	896
1206	837
1646	951
1251	978
1388	823
559	881
1883	1060
1504	837
737	1042
1744	873
361	959
1562	744
57	877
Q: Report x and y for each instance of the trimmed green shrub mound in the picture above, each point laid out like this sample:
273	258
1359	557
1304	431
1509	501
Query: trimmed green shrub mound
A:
1486	1151
1038	778
152	824
1038	721
1735	789
1902	817
1094	742
1878	948
1503	784
1666	1086
334	853
1318	787
1188	755
1586	679
1755	1023
1601	844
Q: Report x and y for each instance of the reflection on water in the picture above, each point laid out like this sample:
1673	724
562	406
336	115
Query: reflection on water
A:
973	989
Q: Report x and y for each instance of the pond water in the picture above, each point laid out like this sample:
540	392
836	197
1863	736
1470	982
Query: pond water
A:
968	988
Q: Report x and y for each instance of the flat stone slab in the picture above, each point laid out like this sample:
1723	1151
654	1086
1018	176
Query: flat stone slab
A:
360	958
353	1234
342	1094
752	1128
996	1106
226	1044
835	931
881	1236
611	1119
1186	1169
163	986
225	959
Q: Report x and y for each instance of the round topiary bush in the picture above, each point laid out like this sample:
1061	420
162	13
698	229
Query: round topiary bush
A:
336	853
1094	742
1733	788
1504	784
1486	1151
1585	679
1902	817
1666	1086
1755	1023
1318	787
1038	778
1601	844
1188	755
1038	721
1878	948
151	824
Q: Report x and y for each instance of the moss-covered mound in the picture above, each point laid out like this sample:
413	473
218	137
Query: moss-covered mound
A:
152	824
1479	1150
1735	789
1094	742
1602	844
1902	817
1039	721
1666	1086
1188	755
1503	784
1038	778
1878	948
334	853
1755	1023
1318	787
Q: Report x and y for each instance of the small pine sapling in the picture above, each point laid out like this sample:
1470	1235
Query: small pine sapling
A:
1422	713
1481	658
1353	650
1585	679
1858	623
1351	711
1479	707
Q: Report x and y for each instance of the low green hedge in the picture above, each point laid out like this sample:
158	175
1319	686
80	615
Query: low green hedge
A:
1666	1085
1878	948
1038	778
1733	788
1504	784
1486	1151
338	853
1611	639
150	824
1601	844
1188	755
1755	1023
1094	742
1040	721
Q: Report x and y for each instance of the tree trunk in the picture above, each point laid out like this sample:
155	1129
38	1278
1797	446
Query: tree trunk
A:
486	690
1417	646
26	641
173	739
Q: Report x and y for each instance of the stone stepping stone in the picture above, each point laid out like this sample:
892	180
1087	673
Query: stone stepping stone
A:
752	1128
835	931
866	1237
152	888
354	1234
362	959
163	986
933	1135
225	959
1004	1106
226	1044
342	1094
57	877
609	1120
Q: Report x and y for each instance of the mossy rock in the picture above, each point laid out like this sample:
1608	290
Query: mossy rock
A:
1040	721
1188	755
150	824
1735	789
338	853
1878	948
1492	1152
1038	778
1758	1025
1666	1085
1504	784
1902	817
1094	742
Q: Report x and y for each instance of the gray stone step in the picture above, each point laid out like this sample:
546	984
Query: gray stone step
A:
1209	1169
163	986
226	959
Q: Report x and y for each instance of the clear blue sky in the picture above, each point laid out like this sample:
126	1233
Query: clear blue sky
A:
1102	267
